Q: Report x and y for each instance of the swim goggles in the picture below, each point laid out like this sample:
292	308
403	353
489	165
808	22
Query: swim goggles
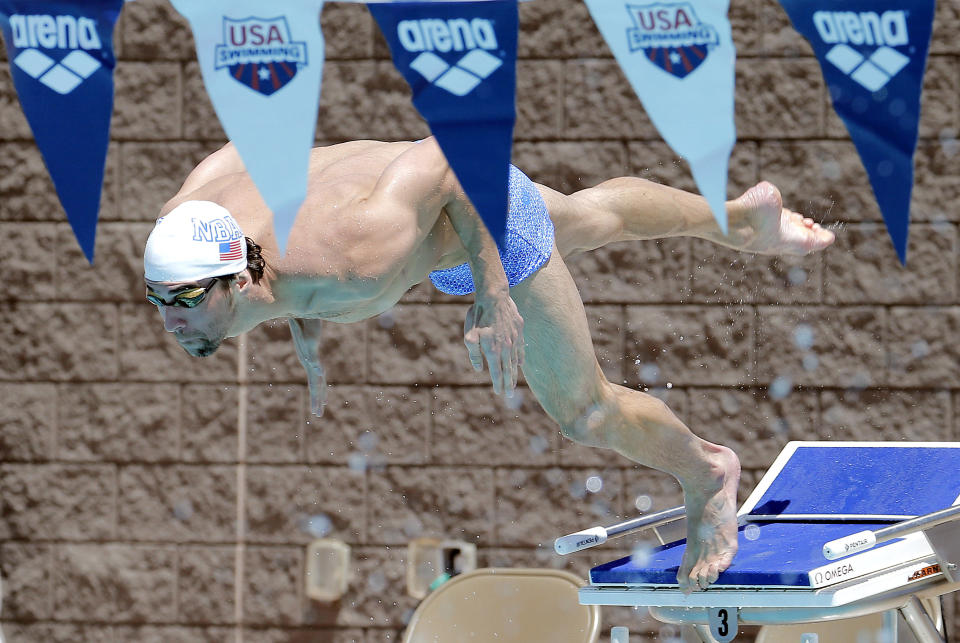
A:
189	298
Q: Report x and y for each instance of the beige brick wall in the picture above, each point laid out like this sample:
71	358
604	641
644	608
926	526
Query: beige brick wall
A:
126	473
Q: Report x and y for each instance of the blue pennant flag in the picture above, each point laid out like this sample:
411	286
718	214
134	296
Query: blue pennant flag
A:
460	61
61	59
873	54
262	65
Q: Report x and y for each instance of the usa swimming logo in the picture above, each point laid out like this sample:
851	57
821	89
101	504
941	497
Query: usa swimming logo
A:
41	39
430	35
260	53
875	61
671	36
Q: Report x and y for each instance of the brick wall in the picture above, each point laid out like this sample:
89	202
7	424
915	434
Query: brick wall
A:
147	496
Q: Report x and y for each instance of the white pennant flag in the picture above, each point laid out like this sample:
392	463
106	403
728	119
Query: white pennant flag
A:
679	57
262	65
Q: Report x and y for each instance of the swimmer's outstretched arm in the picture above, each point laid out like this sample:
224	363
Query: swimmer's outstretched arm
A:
306	339
493	330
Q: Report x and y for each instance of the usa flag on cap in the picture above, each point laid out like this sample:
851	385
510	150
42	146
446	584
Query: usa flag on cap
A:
230	250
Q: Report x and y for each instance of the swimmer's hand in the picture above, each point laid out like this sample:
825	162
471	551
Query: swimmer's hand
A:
306	340
493	330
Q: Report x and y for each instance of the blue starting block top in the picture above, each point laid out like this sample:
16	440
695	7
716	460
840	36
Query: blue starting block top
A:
813	493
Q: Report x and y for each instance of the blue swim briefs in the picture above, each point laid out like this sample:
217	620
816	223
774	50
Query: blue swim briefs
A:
527	243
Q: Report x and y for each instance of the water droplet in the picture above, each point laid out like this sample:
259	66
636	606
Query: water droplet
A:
751	532
412	526
797	276
515	401
830	170
367	442
357	462
377	582
386	320
577	491
318	525
669	632
643	502
669	385
780	387
539	444
779	426
640	554
183	509
803	336
919	349
649	372
948	142
594	484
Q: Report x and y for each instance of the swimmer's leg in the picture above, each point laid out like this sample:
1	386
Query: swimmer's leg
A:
562	371
631	209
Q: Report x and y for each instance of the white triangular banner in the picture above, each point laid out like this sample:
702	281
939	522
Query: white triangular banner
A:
679	57
262	66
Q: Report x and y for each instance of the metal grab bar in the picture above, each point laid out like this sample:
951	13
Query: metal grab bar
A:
864	540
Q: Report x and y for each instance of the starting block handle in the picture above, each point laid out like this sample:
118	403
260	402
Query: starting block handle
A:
598	535
864	540
579	541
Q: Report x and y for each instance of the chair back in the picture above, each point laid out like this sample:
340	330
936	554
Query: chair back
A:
506	605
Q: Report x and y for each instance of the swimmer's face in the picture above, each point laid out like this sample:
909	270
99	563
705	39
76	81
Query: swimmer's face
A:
198	313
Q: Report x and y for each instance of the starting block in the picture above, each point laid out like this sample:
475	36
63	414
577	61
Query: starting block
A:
833	530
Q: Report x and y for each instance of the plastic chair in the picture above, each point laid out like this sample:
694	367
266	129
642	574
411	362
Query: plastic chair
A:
506	605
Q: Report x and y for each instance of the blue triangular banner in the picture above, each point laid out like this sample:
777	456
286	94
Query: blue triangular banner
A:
62	61
873	54
460	61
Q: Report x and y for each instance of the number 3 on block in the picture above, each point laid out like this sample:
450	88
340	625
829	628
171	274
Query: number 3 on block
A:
723	623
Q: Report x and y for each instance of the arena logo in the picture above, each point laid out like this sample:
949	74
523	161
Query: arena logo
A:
260	53
875	34
32	33
477	37
671	36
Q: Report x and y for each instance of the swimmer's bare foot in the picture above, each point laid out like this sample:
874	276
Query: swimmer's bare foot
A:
711	524
759	223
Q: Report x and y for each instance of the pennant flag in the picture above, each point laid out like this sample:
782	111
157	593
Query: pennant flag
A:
262	65
873	54
679	58
61	59
460	61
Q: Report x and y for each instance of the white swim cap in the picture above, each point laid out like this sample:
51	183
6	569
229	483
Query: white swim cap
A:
195	240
